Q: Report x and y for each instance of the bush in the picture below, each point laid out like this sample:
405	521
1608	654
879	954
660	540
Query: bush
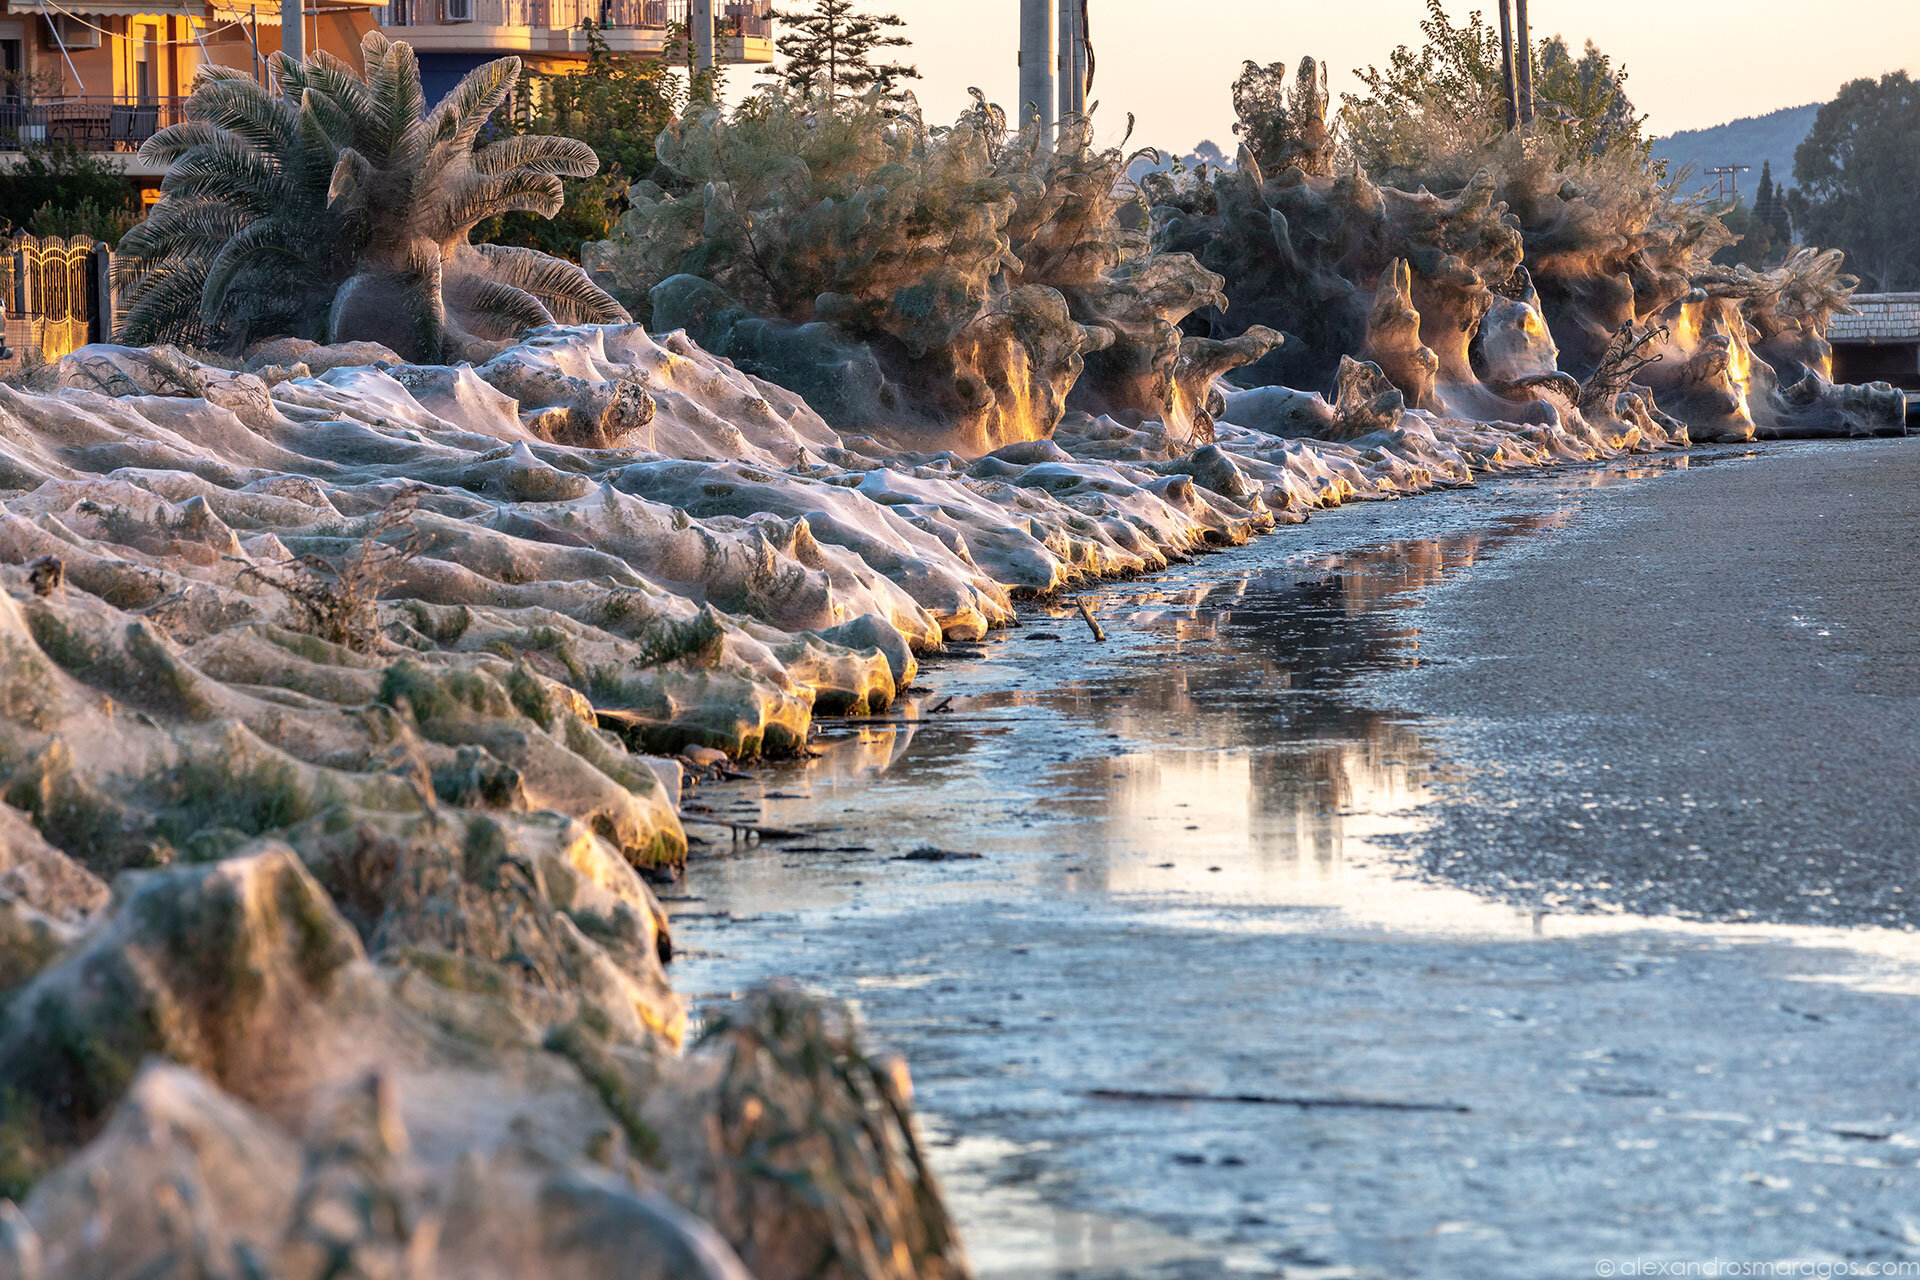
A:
63	191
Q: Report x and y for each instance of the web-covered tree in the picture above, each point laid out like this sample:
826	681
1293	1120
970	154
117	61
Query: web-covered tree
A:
1284	127
947	286
1434	107
336	207
1856	175
835	47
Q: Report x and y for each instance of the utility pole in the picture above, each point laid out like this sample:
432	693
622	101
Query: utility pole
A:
1729	177
1036	63
293	28
700	17
1523	60
1508	78
1073	59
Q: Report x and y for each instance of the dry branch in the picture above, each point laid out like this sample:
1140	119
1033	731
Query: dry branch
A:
335	598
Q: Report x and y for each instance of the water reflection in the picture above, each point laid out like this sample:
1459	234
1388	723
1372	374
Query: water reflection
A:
1230	735
1214	753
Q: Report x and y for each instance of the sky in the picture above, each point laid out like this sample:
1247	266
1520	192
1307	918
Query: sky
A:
1170	62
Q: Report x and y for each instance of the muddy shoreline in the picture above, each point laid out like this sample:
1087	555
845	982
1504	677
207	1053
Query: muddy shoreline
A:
1208	876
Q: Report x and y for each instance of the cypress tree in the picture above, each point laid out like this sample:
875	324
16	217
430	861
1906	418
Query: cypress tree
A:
1766	198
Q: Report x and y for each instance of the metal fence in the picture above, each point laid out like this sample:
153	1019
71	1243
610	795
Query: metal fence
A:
92	124
731	18
57	295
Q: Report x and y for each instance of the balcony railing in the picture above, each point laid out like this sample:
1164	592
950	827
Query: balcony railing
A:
92	124
732	19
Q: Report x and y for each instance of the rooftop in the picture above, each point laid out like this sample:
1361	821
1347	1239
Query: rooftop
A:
1878	317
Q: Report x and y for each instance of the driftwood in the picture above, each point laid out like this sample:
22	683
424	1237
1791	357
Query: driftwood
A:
1619	364
1272	1100
1087	613
888	722
747	828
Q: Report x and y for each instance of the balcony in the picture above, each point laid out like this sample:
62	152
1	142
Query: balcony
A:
743	29
91	124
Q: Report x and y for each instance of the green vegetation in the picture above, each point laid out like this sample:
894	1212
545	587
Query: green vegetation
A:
335	207
1856	176
1770	209
1764	227
618	105
439	693
207	795
833	49
63	191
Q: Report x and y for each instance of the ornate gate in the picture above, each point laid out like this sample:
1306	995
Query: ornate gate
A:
56	291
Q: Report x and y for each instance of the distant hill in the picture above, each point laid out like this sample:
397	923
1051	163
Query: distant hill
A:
1748	141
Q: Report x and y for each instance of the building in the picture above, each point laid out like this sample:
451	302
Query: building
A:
104	75
1880	342
452	37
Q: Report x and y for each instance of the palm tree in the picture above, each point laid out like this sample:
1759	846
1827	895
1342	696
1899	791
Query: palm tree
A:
336	207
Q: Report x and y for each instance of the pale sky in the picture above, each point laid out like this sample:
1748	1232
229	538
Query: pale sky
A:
1691	63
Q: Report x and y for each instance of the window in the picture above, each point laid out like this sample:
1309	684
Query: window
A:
456	10
145	60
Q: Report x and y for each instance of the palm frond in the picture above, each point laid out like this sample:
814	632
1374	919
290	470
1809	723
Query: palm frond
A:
457	121
269	236
506	311
228	171
244	108
175	226
475	197
337	79
167	306
538	153
564	288
215	71
395	132
174	141
325	121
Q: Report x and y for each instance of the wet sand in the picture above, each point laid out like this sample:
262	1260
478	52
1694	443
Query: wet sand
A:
1280	839
1703	698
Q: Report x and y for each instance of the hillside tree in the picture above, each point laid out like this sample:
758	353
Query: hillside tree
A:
1770	208
1857	180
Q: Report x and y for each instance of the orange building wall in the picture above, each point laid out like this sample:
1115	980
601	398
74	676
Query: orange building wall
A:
112	69
338	33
